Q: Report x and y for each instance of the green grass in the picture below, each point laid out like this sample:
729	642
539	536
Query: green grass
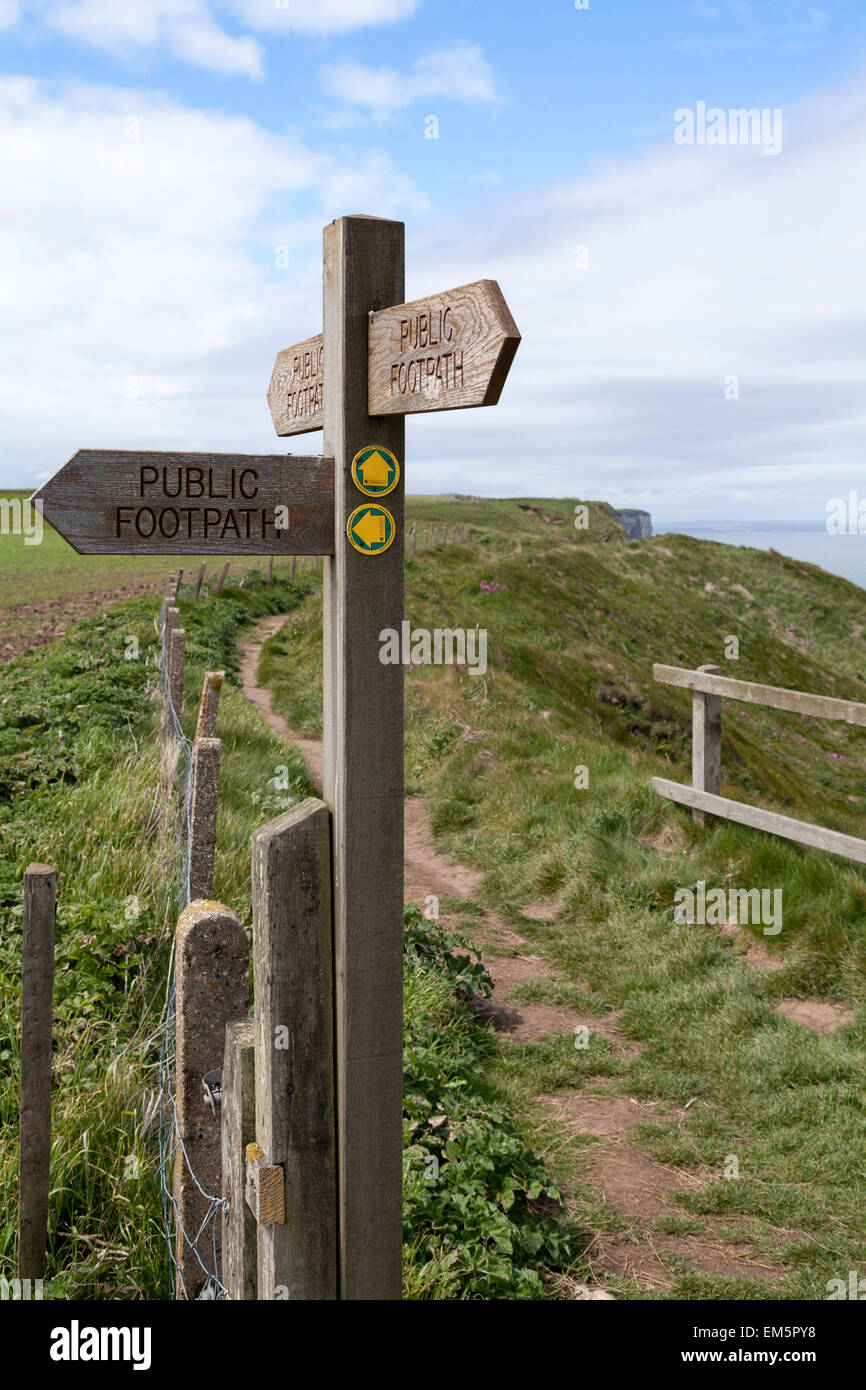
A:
89	802
81	788
573	634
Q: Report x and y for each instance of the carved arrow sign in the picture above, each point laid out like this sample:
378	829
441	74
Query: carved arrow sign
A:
445	352
105	502
295	392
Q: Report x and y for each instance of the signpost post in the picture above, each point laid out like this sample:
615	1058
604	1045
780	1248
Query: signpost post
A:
376	360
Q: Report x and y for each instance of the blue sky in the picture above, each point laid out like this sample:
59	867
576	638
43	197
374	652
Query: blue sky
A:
167	167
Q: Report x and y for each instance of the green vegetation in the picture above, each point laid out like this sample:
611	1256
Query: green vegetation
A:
578	619
82	787
575	619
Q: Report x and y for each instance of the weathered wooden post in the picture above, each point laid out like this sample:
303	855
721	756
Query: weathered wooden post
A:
238	1130
293	989
222	578
170	620
412	533
212	991
200	580
203	816
363	772
209	704
356	380
706	742
37	1018
292	571
177	584
174	702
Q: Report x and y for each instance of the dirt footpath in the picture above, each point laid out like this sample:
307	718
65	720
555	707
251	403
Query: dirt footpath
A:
624	1179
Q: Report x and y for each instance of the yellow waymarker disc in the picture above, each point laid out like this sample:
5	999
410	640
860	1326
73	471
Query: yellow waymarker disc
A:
375	470
371	529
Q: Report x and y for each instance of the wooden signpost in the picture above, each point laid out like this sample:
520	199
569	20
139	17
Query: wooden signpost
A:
129	503
445	352
376	360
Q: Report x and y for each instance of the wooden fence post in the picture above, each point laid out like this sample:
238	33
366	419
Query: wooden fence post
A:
294	1032
177	583
170	618
212	991
706	742
363	771
209	704
203	816
174	704
414	529
222	578
292	571
37	1018
238	1129
198	583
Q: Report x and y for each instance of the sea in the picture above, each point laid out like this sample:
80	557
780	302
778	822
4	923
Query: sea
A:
843	555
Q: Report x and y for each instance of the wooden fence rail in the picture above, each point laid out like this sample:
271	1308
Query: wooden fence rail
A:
708	687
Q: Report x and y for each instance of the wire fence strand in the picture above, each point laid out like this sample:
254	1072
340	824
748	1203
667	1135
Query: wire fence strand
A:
172	1149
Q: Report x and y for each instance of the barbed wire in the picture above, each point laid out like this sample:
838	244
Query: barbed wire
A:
171	1145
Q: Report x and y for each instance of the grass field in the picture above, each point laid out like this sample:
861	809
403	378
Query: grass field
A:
574	627
46	586
575	620
81	786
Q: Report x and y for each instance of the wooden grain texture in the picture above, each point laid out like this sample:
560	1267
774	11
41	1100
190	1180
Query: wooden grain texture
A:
295	394
37	1019
203	816
706	742
444	352
212	991
222	579
848	846
773	696
294	1033
238	1125
200	580
363	773
107	502
265	1194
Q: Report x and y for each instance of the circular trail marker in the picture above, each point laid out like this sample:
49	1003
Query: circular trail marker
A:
375	470
371	529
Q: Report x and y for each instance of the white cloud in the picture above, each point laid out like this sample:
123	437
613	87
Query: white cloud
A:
143	247
457	72
320	16
10	13
185	29
153	258
699	268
